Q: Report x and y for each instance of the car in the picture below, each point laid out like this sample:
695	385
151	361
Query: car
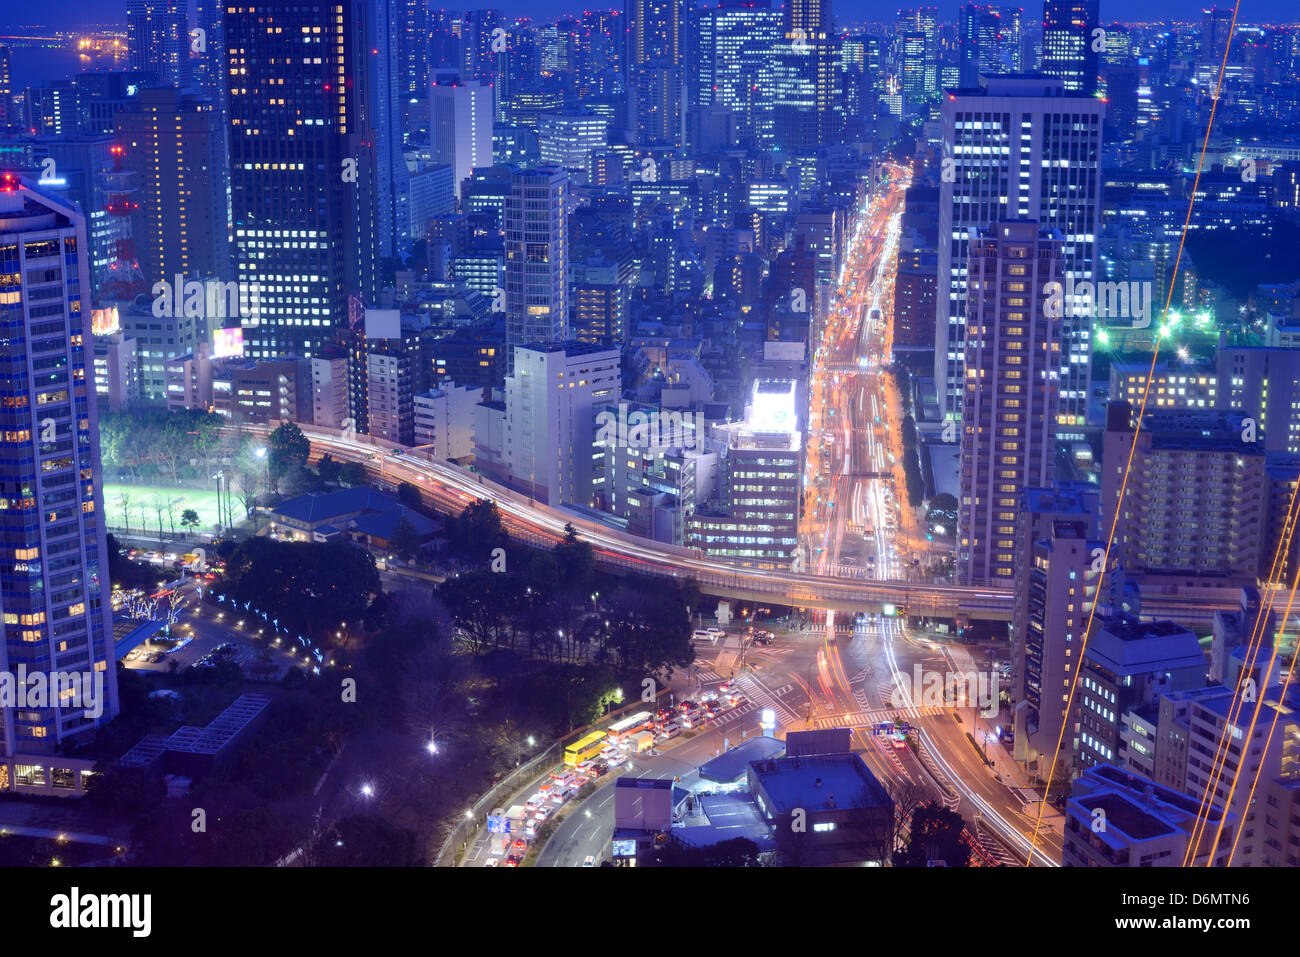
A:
686	707
615	762
601	770
709	696
133	654
519	844
156	658
514	860
701	635
716	631
589	862
492	862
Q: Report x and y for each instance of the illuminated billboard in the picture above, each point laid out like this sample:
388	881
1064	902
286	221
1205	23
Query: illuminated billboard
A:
772	406
228	342
104	321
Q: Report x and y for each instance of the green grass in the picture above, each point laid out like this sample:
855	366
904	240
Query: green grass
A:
203	501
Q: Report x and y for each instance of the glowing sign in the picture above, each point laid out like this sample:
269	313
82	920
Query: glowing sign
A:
227	342
772	406
104	321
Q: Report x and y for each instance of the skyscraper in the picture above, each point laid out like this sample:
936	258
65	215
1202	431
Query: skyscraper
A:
1018	147
1010	392
1068	40
656	81
735	42
174	144
302	169
977	42
806	110
382	112
460	125
1055	588
537	238
54	593
918	30
157	37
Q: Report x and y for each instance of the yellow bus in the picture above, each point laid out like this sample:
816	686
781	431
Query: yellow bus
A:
584	748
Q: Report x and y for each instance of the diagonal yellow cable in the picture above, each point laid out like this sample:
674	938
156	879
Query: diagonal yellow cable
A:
1250	734
1277	713
1249	660
1146	391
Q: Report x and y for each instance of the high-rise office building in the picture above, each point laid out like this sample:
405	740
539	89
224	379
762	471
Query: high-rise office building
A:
735	42
460	125
757	523
1020	147
207	49
537	238
1068	44
656	81
806	108
1195	496
540	439
6	84
1010	392
302	169
55	590
1264	384
413	48
918	32
381	112
175	145
158	40
977	42
1126	666
570	139
1055	589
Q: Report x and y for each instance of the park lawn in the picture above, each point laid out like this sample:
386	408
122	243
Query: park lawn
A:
203	501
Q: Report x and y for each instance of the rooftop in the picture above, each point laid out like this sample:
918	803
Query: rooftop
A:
819	783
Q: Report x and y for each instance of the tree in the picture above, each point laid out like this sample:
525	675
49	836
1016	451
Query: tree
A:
367	840
328	469
405	541
477	604
287	449
123	502
735	852
409	495
310	586
478	530
352	473
171	513
935	835
190	519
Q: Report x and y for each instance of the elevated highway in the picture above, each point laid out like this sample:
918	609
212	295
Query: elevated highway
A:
449	489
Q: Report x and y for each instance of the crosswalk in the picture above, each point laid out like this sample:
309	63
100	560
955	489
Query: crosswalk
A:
866	718
756	691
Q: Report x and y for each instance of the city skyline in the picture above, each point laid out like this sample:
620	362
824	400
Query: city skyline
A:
673	437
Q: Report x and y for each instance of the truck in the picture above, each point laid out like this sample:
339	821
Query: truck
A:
643	741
